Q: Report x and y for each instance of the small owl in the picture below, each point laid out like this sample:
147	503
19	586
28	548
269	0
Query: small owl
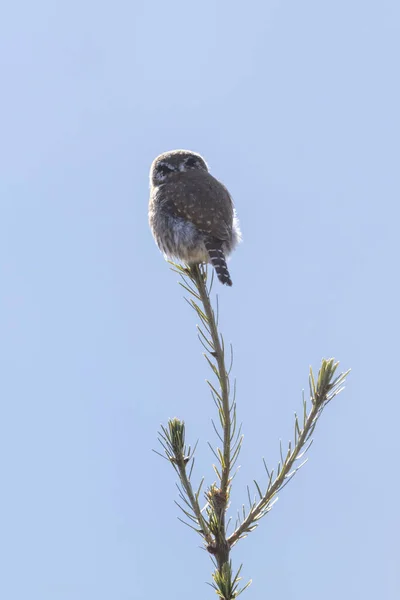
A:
191	213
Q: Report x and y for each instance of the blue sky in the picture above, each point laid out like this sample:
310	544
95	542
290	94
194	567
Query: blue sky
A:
295	106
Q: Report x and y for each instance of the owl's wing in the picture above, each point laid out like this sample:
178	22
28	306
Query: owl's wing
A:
201	199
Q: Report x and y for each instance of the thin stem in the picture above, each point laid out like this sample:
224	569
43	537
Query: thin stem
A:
223	375
221	547
181	465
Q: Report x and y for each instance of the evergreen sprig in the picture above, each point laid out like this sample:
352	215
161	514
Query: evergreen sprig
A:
210	521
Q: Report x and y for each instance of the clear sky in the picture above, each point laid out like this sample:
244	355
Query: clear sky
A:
295	106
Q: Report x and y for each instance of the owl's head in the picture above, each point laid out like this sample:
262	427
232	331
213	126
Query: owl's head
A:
176	161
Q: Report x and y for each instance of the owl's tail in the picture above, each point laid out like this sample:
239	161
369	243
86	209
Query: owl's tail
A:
218	261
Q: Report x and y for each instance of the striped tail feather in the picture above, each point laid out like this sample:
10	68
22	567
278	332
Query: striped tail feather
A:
218	261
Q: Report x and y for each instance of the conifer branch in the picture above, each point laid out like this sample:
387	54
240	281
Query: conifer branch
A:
173	442
321	393
199	276
210	522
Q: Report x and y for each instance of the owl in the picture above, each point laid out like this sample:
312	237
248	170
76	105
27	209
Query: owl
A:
191	214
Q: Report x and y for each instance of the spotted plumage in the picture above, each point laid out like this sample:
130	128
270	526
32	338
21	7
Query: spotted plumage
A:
191	213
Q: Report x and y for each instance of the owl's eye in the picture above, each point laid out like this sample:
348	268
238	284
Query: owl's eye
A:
164	169
191	162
